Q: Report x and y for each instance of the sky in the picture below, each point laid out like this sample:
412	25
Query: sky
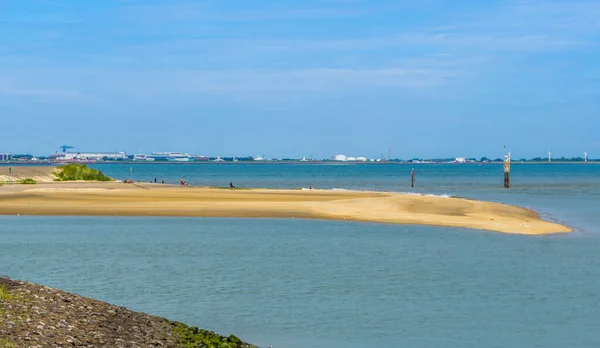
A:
293	78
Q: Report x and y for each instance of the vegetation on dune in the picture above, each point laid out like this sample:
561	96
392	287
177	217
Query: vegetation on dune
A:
192	337
27	181
73	172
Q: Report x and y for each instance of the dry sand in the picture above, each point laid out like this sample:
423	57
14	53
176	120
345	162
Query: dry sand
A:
118	199
37	173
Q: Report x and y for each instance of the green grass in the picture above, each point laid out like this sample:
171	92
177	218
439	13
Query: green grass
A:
7	344
4	294
73	172
27	181
192	337
19	313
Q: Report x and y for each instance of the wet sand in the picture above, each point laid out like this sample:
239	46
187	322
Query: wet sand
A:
119	199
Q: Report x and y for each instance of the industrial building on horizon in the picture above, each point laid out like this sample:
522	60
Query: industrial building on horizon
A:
344	158
64	155
88	156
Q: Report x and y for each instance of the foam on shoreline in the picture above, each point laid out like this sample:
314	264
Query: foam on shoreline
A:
443	195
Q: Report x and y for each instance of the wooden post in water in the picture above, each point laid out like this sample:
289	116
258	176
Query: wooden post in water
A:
412	178
507	170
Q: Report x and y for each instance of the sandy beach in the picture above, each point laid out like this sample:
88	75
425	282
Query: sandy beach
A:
37	173
119	199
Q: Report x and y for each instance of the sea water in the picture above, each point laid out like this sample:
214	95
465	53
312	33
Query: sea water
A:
304	283
569	193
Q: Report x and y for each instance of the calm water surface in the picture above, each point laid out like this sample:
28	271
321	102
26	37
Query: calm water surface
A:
301	283
323	284
565	192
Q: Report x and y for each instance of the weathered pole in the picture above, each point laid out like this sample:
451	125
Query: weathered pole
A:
412	178
507	170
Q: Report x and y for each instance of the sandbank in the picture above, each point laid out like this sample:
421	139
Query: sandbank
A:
119	199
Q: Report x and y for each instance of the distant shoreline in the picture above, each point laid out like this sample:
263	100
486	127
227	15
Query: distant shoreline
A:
514	163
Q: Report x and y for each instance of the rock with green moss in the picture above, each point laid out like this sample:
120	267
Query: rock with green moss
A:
193	337
35	315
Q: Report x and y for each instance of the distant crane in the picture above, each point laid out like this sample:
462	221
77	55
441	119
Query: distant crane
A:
64	148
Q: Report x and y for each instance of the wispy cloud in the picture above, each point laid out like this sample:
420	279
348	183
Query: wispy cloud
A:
235	84
456	47
514	27
36	92
50	95
308	79
574	16
194	11
444	42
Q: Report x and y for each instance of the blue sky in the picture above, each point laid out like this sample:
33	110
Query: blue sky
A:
429	78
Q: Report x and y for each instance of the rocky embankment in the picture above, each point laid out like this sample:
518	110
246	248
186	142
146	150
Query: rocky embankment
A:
34	315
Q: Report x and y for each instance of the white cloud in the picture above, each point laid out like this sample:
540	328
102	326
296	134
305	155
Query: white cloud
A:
252	84
194	11
451	49
37	92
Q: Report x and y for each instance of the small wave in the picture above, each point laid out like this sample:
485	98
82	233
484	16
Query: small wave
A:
331	189
443	195
551	218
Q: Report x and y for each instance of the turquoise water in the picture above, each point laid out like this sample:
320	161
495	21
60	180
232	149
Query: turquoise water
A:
301	283
323	284
565	192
